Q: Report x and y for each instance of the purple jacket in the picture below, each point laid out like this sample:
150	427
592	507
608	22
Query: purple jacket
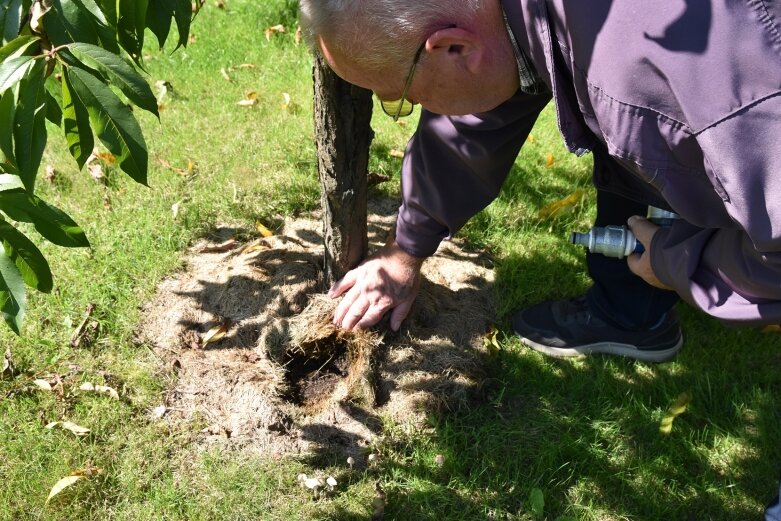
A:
687	99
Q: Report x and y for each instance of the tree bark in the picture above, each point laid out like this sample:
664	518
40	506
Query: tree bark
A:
343	134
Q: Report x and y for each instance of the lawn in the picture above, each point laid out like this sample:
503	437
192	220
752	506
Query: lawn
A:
550	439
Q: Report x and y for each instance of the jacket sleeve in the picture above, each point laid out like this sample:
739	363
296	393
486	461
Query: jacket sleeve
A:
454	166
733	273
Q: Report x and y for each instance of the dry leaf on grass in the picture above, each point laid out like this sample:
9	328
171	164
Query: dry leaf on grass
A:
490	341
773	328
396	153
550	160
216	333
7	365
298	36
78	430
675	410
562	206
250	100
265	232
43	384
72	478
224	74
100	389
275	29
222	247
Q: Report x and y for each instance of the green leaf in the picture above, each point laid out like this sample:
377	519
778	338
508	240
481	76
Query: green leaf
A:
23	45
53	110
11	71
158	19
109	9
131	22
10	19
55	225
120	74
10	182
77	22
537	502
30	261
75	123
113	122
107	32
30	124
183	12
7	112
13	294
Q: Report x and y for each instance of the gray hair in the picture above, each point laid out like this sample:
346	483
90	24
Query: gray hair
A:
379	34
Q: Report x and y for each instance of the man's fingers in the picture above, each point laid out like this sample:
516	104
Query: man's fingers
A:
642	228
346	282
355	313
372	316
400	312
347	301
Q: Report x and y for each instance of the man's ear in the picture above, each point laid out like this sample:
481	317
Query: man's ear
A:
457	45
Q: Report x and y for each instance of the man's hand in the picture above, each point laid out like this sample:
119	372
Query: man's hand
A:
389	279
640	263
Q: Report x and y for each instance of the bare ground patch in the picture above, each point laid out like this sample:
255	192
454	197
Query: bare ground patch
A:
282	379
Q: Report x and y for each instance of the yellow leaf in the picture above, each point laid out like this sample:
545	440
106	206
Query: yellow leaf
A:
78	430
530	139
562	206
62	485
224	74
275	29
216	333
490	341
773	328
549	160
265	232
43	384
396	153
298	35
250	99
245	66
72	478
675	410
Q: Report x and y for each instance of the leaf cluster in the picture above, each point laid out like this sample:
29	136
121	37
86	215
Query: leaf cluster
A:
75	63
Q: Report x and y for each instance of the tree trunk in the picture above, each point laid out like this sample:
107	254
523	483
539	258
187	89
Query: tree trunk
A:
343	135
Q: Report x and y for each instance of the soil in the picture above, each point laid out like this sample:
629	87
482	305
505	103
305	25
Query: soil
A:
283	379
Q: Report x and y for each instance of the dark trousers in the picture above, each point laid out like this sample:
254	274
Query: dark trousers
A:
773	512
618	296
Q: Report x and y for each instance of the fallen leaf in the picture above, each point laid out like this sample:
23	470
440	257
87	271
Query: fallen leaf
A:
108	158
219	4
159	411
562	206
245	66
175	209
224	74
396	153
378	503
62	484
216	333
549	160
530	139
773	328
298	36
78	430
265	232
8	365
43	384
250	99
72	478
675	410
163	88
96	171
275	29
537	502
255	246
100	389
375	178
491	342
50	173
228	245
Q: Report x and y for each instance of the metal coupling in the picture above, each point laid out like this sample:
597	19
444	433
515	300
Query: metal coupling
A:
611	241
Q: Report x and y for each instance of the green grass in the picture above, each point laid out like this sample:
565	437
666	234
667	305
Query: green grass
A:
585	433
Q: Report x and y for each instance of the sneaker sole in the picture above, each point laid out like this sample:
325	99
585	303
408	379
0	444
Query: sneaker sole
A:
608	348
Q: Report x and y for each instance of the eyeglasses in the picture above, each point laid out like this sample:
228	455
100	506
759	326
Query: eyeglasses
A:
402	108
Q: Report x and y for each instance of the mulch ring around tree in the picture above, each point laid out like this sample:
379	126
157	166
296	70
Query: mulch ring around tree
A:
247	336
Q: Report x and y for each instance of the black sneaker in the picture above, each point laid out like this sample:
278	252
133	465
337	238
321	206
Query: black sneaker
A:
567	328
